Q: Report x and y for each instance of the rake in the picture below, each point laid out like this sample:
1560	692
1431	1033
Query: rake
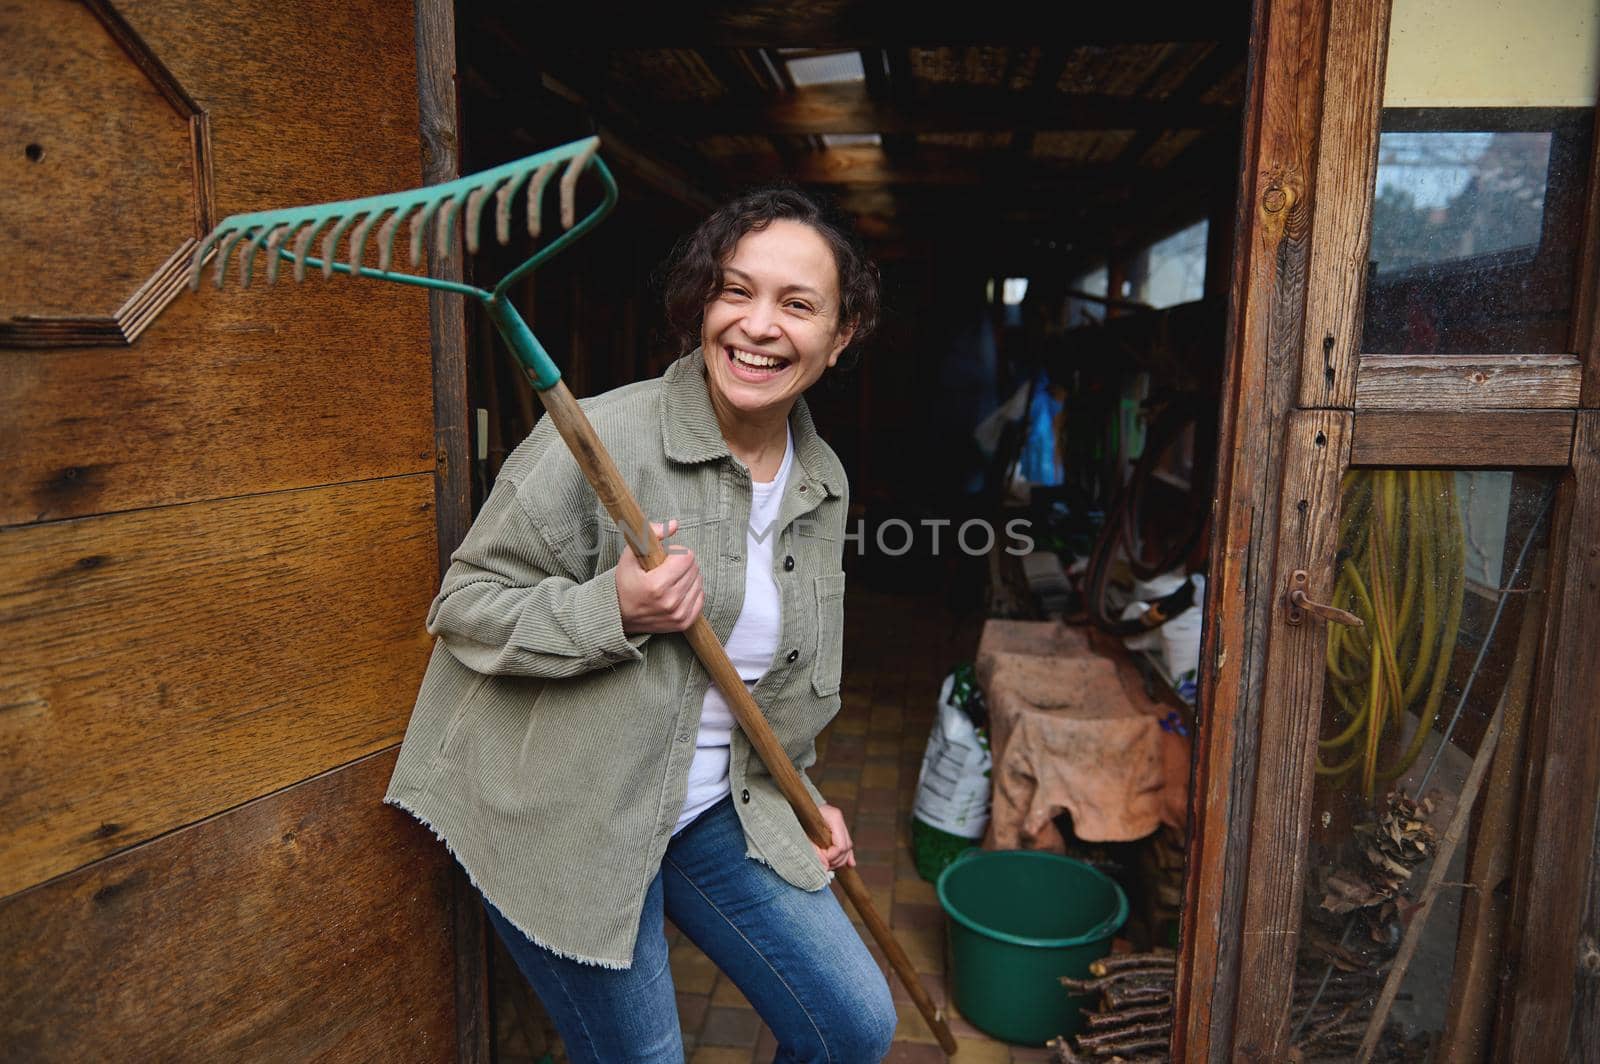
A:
287	236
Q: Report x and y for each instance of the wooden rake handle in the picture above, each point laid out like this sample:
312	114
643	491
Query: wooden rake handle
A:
602	474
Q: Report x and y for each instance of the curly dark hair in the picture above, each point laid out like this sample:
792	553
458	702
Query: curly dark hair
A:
694	273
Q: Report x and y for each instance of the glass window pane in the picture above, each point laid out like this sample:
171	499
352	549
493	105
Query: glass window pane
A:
1442	567
1171	271
1488	113
1475	225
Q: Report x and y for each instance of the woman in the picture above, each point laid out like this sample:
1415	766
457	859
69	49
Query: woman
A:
571	752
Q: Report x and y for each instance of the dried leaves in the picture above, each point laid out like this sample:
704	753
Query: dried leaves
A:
1388	852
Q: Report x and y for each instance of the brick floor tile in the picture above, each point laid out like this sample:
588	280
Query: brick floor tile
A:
914	1053
837	790
916	914
766	1045
925	947
720	1055
932	985
878	745
982	1051
691	1010
878	817
877	875
692	971
877	798
726	993
886	858
914	890
875	836
913	1028
730	1027
1030	1053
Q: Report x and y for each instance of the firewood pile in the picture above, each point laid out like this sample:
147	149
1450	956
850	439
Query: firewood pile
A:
1132	1021
1357	921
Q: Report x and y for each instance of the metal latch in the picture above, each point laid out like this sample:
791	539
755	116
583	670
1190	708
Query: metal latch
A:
1299	604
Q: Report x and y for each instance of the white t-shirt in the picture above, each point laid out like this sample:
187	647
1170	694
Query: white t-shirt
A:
750	647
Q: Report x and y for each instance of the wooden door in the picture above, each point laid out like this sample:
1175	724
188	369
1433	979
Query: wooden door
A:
219	534
1410	435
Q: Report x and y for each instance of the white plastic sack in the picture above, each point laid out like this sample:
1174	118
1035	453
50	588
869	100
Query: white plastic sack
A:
953	786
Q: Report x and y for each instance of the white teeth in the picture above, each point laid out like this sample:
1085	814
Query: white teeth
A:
758	361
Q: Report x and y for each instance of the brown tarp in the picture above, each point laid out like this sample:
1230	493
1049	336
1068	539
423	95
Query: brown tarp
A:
1071	729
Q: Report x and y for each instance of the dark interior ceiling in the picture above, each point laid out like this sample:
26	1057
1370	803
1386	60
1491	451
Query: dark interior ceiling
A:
1017	131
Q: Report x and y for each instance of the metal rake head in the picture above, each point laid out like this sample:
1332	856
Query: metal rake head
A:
287	235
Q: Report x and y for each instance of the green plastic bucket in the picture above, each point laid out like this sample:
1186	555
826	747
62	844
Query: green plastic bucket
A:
1019	921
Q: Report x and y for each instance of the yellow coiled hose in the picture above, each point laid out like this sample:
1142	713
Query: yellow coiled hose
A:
1403	574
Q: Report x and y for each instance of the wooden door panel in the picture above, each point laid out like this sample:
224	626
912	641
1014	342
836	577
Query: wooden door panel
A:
1316	452
304	925
225	393
166	664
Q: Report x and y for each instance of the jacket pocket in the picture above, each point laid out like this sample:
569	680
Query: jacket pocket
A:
458	715
829	662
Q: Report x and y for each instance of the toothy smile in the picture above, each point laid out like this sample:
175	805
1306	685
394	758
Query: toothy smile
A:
756	361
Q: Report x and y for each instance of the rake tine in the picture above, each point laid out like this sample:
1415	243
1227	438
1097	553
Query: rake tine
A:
274	242
419	225
386	240
447	219
199	265
569	185
535	194
474	213
358	241
330	242
247	255
502	206
225	250
302	244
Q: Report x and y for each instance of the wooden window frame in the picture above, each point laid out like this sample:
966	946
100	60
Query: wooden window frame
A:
1297	379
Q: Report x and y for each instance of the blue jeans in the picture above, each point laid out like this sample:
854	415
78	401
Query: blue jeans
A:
793	953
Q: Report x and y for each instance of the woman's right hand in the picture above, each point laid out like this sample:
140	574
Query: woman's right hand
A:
667	598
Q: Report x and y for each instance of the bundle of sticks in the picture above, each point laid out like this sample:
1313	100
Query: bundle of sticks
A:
1131	1022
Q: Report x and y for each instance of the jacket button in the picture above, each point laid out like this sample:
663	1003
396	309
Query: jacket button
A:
744	796
794	656
802	487
788	563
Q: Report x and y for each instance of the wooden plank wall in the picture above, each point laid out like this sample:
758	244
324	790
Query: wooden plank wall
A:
217	547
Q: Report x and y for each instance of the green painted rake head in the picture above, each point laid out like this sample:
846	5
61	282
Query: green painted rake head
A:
288	235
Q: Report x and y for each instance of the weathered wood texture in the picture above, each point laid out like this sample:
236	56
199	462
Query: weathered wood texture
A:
438	116
1282	117
1475	973
1358	41
1551	969
441	162
1316	455
95	103
1586	309
164	665
305	925
1488	439
1467	382
1583	1042
233	392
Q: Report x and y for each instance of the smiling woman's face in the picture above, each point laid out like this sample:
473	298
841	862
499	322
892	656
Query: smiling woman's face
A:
773	327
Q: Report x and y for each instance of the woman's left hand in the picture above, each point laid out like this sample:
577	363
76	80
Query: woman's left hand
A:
842	852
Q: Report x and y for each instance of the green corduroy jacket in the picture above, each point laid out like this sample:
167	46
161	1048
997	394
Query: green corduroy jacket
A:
549	750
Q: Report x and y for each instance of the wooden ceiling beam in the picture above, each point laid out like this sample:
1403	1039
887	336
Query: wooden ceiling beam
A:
871	165
1216	65
854	107
774	24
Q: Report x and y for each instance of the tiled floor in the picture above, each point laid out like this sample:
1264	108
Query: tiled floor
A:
897	650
